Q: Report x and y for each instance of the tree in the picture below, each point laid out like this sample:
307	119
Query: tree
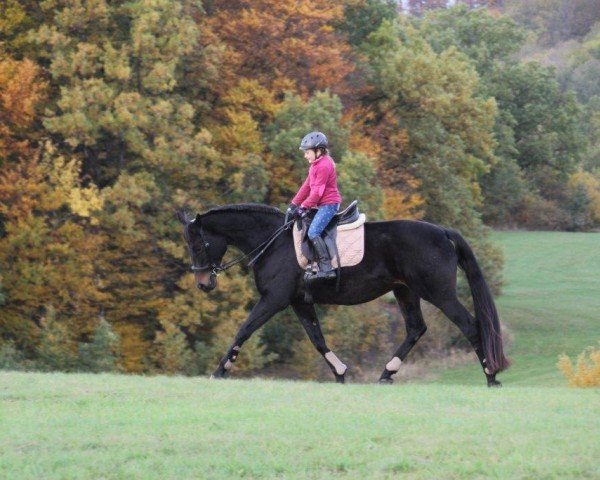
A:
117	74
556	20
240	120
118	103
21	91
17	19
283	45
48	252
504	189
546	130
358	179
57	348
101	354
437	128
362	17
490	41
295	118
538	126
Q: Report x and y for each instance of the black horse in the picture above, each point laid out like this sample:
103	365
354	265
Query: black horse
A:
413	259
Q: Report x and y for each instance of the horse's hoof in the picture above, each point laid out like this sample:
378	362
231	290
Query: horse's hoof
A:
386	381
494	383
340	378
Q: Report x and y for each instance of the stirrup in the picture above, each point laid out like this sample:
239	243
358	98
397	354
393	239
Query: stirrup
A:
321	275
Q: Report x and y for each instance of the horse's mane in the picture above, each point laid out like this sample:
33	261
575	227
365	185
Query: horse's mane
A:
244	207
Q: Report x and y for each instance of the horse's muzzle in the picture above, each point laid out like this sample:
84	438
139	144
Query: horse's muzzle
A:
206	281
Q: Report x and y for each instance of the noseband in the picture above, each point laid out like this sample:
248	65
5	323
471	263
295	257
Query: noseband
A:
213	268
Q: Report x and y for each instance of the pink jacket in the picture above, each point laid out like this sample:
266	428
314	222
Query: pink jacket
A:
320	186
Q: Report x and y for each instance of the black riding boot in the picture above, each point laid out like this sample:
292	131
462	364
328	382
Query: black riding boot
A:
326	271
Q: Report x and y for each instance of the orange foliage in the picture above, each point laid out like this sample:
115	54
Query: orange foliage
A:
20	91
399	205
281	44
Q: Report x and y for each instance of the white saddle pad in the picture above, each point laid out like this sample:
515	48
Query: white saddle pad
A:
350	242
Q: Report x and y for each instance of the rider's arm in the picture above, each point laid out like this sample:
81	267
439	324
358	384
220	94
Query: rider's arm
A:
302	193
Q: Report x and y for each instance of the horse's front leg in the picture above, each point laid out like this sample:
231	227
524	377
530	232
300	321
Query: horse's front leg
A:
260	314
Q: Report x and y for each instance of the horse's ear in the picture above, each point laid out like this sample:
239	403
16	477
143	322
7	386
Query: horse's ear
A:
182	217
197	219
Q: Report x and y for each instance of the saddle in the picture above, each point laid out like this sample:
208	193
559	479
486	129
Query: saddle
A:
344	237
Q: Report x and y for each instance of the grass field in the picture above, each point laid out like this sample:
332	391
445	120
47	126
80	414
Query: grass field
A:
85	426
109	426
551	304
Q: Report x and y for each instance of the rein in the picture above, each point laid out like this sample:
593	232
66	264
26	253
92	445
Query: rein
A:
217	269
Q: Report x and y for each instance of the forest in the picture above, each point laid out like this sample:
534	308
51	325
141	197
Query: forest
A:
114	115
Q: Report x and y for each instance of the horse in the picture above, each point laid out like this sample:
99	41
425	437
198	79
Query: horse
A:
413	259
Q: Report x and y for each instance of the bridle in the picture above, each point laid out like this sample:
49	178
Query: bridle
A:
217	269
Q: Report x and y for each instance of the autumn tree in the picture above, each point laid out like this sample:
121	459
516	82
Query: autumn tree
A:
21	91
117	103
47	252
46	249
283	45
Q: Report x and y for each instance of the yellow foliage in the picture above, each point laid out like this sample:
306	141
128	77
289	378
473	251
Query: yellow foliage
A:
63	176
586	372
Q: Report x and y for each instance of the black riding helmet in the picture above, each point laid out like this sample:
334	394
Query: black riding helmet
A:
314	140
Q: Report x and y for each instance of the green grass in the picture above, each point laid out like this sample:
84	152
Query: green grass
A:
110	426
58	426
551	304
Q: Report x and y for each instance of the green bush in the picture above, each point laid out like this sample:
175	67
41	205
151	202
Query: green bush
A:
102	354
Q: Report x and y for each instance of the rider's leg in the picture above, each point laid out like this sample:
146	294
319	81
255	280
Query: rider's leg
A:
321	220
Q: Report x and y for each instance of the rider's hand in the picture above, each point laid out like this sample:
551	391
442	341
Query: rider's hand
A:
300	213
291	210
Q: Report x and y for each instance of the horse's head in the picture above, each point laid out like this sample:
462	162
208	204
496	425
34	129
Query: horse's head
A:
206	251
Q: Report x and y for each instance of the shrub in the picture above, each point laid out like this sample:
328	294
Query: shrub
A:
57	349
586	372
10	357
102	353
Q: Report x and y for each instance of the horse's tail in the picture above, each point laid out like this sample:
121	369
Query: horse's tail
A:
485	309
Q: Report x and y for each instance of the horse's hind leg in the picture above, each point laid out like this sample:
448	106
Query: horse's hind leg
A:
461	317
308	317
410	307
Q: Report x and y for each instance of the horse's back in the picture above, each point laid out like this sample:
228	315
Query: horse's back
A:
408	231
411	248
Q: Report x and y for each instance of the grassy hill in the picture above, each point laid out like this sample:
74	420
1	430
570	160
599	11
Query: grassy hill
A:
551	304
110	426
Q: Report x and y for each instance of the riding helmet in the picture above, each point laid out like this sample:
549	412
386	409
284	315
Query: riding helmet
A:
314	140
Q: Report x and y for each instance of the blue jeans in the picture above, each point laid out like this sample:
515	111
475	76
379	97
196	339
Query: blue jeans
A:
322	218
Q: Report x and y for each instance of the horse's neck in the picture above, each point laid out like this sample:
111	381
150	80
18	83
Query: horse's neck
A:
245	231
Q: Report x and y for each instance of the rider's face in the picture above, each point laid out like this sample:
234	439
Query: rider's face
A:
310	155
